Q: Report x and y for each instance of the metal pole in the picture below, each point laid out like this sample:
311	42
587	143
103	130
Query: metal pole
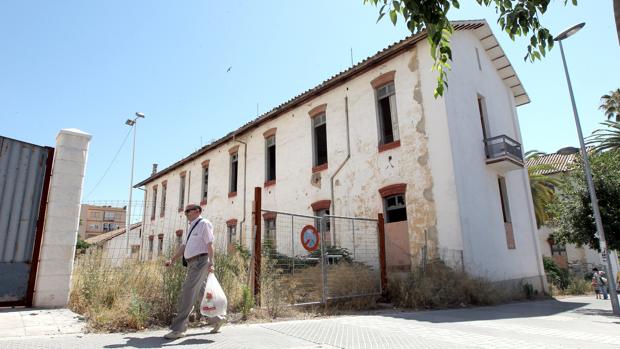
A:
611	282
133	153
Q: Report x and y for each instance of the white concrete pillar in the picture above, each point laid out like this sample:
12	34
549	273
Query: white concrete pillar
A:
61	219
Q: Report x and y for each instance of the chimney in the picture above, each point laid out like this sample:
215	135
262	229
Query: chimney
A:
154	169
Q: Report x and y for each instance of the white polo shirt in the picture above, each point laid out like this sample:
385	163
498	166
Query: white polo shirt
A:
201	236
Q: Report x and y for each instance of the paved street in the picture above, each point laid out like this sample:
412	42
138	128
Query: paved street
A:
576	322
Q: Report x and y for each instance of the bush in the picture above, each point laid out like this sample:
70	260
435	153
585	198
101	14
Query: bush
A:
439	286
556	276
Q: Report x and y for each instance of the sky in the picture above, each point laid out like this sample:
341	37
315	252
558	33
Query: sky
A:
200	69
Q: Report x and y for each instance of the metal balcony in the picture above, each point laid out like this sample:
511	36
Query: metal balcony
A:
503	153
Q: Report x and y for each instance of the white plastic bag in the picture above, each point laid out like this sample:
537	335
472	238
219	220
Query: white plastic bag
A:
214	300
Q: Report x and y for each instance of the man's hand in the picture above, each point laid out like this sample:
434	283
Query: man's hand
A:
168	262
211	267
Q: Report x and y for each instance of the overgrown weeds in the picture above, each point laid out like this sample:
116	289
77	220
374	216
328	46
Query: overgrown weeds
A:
439	286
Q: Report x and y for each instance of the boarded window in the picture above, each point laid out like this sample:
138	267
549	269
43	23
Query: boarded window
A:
395	208
270	158
386	107
234	169
319	138
270	233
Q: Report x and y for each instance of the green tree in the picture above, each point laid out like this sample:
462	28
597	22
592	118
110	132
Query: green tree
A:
610	104
542	186
572	210
515	17
606	138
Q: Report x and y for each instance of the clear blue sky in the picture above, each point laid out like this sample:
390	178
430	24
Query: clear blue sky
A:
91	65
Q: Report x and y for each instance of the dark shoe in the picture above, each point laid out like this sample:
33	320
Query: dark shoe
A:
174	335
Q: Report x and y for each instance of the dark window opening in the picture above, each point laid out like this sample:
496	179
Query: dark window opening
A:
271	158
503	194
388	122
234	164
205	183
320	139
395	208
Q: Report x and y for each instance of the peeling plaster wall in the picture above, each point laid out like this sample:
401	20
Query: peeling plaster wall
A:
485	248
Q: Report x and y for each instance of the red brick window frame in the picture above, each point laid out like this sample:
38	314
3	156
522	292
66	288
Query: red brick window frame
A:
321	205
205	182
231	222
270	215
319	109
393	189
270	132
383	79
164	189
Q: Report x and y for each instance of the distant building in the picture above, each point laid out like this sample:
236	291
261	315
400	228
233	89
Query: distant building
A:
113	244
577	259
96	220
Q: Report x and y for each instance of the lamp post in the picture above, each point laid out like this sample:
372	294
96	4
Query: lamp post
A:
132	123
586	166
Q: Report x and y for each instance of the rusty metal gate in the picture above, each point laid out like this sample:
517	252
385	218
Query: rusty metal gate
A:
312	260
25	170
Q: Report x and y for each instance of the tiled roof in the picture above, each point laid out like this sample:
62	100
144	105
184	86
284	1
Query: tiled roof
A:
559	163
481	28
101	238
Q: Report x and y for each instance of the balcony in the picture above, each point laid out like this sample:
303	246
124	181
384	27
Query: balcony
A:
504	154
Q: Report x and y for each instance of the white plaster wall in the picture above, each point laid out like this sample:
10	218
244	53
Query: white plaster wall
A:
61	220
485	249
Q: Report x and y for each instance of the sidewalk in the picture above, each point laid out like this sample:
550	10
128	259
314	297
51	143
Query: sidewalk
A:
27	322
575	322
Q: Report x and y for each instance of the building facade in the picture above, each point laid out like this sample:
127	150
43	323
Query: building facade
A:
447	172
96	220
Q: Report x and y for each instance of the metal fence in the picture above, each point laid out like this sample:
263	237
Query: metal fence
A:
316	259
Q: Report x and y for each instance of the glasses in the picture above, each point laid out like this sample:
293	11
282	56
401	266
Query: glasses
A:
190	210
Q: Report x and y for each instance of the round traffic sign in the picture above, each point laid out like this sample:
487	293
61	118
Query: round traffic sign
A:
310	238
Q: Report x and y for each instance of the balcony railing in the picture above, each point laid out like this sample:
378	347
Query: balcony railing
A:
505	152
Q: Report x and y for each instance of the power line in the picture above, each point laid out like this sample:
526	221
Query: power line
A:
111	163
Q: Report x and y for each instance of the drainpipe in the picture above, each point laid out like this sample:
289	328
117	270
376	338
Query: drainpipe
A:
331	179
245	167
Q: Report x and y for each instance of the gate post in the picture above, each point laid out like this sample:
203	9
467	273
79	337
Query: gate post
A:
257	243
382	261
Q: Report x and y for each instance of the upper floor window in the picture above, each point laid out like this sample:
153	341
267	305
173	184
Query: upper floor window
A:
162	208
386	109
270	158
319	139
484	119
205	182
503	195
234	169
109	216
154	207
182	191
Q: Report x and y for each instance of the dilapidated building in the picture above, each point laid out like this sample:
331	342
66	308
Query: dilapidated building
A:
447	173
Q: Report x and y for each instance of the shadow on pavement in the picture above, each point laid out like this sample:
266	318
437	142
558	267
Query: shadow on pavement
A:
158	342
504	311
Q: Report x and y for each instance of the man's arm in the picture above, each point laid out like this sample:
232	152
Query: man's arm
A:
211	262
176	256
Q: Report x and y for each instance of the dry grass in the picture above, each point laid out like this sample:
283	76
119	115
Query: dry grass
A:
441	287
138	294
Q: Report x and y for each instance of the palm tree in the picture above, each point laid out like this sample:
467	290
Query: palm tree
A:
543	186
606	138
610	103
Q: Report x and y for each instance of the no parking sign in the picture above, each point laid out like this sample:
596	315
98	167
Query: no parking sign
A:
310	238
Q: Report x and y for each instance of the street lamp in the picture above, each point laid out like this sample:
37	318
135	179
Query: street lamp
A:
133	124
586	165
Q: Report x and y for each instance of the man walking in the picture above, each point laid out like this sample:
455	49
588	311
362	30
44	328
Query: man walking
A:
198	252
599	276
